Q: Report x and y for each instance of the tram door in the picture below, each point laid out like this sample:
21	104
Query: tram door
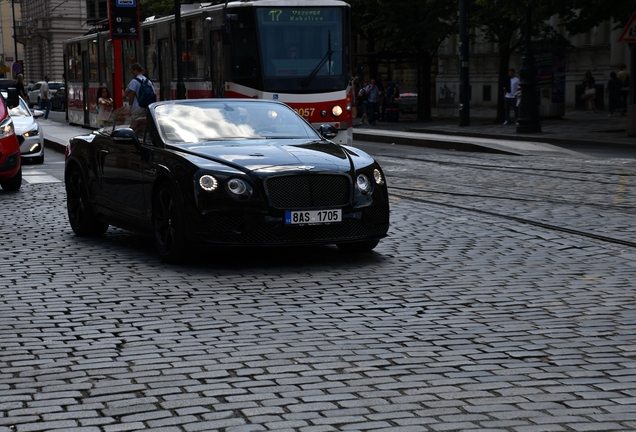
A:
165	69
85	87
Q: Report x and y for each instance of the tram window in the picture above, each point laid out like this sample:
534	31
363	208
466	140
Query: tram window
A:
193	57
93	70
150	53
315	33
244	47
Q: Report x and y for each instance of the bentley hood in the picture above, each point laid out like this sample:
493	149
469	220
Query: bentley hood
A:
256	155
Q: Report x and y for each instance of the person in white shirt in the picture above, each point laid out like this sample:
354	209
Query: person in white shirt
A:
45	97
510	98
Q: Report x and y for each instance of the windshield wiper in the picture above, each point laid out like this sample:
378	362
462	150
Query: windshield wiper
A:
305	82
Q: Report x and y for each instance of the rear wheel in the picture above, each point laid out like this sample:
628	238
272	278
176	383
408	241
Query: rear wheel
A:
80	212
169	224
14	183
358	247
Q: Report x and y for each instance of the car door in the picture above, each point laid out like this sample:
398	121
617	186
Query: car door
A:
120	191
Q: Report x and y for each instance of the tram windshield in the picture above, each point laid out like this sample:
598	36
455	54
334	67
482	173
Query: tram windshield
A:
302	48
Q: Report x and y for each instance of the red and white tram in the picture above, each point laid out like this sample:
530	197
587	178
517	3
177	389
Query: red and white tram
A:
297	52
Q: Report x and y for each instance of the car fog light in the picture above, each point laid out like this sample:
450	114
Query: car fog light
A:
363	183
208	183
35	147
237	186
336	110
377	176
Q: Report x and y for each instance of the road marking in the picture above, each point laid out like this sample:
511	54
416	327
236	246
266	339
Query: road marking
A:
35	176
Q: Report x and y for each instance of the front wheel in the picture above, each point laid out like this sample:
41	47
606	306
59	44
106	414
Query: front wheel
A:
358	247
168	221
14	183
80	212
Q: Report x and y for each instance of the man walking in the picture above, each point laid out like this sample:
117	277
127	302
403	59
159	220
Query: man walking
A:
45	97
623	75
372	92
510	98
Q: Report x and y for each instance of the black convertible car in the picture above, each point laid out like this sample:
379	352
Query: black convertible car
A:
226	172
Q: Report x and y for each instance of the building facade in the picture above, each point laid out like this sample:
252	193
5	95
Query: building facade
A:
44	26
10	50
559	73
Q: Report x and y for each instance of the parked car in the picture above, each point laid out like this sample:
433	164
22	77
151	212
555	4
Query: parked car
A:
28	131
10	168
407	101
224	172
34	94
58	101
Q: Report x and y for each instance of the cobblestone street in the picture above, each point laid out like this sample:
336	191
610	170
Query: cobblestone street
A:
460	320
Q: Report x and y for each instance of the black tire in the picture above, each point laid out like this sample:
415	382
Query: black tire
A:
80	212
168	221
14	183
358	247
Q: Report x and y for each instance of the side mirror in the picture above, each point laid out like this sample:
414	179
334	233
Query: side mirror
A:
328	131
125	136
38	113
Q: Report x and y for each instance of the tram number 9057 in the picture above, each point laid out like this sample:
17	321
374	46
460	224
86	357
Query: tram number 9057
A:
305	112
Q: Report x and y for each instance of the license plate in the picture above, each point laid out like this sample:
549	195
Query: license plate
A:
313	217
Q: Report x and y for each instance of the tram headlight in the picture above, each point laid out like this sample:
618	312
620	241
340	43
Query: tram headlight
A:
336	110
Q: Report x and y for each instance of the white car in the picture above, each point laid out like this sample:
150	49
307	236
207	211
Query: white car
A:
33	96
28	131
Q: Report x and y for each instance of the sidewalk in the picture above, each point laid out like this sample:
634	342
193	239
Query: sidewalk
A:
575	128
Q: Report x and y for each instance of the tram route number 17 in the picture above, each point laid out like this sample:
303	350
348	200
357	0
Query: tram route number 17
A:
305	112
275	14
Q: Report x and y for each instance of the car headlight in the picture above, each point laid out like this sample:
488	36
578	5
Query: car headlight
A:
239	189
6	127
33	132
364	183
377	176
208	183
336	110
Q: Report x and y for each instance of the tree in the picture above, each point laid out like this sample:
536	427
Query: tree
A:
408	27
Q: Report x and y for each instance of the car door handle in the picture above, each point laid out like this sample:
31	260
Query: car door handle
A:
151	171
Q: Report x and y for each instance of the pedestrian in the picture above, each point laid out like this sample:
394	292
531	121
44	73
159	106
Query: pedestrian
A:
45	97
19	86
389	96
613	92
104	106
373	93
589	92
623	75
510	96
364	103
132	92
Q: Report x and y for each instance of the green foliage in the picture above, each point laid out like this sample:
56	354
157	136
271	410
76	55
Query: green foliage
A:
148	8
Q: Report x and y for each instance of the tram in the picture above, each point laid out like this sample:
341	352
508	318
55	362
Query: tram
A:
296	52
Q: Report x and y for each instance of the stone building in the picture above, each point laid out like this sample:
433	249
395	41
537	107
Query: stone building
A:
560	74
10	51
44	26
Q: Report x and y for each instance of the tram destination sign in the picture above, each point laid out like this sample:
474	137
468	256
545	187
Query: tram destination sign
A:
297	15
124	19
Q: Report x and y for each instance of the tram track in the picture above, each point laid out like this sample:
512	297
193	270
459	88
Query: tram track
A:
518	219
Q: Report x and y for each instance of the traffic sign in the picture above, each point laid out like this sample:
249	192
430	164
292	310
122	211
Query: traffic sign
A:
17	67
629	32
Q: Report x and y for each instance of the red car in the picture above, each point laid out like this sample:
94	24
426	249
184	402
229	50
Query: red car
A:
10	169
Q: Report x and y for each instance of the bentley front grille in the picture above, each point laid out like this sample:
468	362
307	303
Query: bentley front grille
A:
305	191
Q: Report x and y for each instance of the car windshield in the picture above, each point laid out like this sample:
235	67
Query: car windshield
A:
225	120
21	110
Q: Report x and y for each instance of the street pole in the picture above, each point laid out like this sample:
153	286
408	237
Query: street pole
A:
15	38
528	121
181	90
464	84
